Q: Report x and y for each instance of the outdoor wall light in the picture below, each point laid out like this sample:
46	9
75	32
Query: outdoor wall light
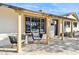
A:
52	23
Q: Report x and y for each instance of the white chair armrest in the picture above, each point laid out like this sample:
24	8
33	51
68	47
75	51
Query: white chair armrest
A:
44	36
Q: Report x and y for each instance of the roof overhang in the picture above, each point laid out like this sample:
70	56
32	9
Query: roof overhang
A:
35	13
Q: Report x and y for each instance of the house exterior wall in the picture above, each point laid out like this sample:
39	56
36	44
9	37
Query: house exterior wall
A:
60	26
68	29
51	30
8	24
8	20
77	29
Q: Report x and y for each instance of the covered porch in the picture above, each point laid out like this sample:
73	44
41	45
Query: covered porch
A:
39	22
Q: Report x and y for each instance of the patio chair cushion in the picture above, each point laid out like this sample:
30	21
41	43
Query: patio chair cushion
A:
36	36
13	39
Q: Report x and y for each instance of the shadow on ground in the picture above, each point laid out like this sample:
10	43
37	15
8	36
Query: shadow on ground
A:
56	46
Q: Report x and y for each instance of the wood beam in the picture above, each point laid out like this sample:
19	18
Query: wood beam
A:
33	15
24	23
67	20
19	46
62	30
71	28
47	29
59	27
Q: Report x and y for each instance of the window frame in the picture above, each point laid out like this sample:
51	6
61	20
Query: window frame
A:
67	23
30	21
74	24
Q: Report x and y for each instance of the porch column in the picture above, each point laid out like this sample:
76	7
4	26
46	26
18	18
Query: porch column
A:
62	37
71	28
47	30
19	49
59	27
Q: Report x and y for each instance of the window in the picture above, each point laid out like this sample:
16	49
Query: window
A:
35	24
28	24
75	24
67	24
42	25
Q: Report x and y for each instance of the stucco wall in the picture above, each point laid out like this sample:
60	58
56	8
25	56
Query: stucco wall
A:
8	20
77	26
60	26
8	24
68	29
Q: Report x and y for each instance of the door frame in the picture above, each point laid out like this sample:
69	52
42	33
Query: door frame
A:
56	33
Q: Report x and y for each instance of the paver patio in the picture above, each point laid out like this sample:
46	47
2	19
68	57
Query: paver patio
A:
66	46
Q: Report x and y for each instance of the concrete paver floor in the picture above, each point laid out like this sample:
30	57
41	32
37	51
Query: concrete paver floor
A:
66	46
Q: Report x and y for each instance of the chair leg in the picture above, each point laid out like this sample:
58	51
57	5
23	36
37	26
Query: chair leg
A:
39	41
23	44
12	46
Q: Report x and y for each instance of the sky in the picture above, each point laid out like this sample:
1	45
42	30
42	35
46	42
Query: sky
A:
53	8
